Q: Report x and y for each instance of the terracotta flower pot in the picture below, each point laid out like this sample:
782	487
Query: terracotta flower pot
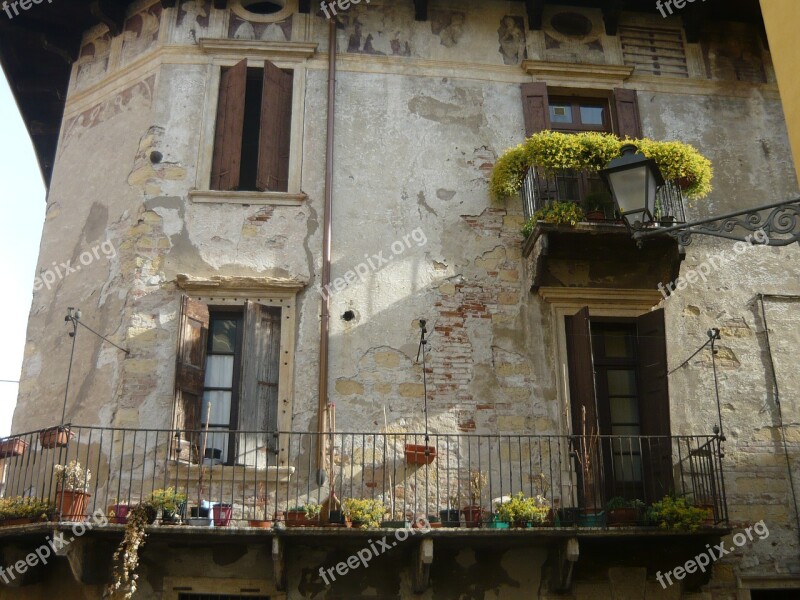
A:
420	454
260	524
71	504
55	437
619	517
473	515
13	447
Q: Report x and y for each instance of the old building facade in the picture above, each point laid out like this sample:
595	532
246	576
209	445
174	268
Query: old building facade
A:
260	223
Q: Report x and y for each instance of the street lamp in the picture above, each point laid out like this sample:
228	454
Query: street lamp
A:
634	181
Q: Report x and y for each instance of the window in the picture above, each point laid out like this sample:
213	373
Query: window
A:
253	127
228	372
618	380
579	114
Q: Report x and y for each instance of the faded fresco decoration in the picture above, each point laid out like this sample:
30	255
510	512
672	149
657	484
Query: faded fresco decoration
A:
139	95
448	25
732	52
511	35
141	32
240	29
93	61
192	22
572	37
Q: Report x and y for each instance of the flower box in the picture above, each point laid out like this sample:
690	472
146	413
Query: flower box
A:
12	447
420	454
71	505
55	437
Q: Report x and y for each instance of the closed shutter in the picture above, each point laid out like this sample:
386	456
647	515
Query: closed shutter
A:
226	164
275	131
583	402
191	362
627	112
535	107
654	405
258	400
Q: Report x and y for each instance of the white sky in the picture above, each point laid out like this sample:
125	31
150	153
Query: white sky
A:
22	195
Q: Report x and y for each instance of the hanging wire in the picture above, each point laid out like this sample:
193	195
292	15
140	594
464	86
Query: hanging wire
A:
422	343
780	412
696	352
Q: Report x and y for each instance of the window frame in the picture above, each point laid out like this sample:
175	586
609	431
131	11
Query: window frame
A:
218	293
287	56
576	102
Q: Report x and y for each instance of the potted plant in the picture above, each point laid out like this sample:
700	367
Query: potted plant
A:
554	152
262	501
364	512
473	513
557	213
420	454
450	516
596	205
171	503
55	437
21	511
623	512
72	481
677	513
396	521
118	512
13	446
522	511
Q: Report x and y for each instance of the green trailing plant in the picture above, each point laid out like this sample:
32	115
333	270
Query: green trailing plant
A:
313	511
26	508
368	512
676	513
167	500
591	151
619	502
520	508
126	557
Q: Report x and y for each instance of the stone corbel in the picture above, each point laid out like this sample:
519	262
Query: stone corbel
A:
423	557
89	560
567	555
279	563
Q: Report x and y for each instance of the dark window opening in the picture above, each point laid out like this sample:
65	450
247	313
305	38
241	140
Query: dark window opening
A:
191	596
789	594
252	129
262	7
579	114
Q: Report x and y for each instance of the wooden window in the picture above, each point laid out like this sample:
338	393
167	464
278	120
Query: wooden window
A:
618	379
252	132
229	358
616	111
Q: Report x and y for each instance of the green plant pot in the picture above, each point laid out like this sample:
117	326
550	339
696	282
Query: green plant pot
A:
592	519
498	525
396	524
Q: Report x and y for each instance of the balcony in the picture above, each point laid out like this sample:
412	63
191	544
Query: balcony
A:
261	485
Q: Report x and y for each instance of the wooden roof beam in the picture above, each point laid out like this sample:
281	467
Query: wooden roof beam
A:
535	10
421	10
111	14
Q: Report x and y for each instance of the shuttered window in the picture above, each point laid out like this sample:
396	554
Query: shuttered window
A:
252	132
541	111
618	384
228	362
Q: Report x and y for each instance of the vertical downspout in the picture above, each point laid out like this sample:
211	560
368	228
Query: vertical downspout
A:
324	324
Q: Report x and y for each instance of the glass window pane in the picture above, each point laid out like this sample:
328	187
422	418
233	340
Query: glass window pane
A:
219	371
624	411
220	407
618	343
621	382
628	468
627	440
592	115
560	113
223	335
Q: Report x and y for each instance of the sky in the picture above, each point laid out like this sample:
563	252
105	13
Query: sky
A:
22	194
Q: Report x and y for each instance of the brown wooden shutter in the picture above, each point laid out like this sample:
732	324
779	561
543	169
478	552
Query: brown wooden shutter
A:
583	397
191	363
227	160
654	405
626	109
535	107
275	132
258	399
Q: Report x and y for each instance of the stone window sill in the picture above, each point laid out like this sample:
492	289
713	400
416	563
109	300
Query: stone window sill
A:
249	198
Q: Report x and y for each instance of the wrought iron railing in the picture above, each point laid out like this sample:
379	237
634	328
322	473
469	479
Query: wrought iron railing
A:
542	187
411	477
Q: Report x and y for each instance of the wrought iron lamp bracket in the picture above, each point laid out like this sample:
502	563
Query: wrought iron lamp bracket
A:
780	226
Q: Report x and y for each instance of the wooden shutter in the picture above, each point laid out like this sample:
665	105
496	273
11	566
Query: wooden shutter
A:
191	363
227	160
258	399
275	131
654	405
535	107
626	109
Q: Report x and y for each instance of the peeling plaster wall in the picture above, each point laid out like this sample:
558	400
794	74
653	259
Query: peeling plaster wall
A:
415	143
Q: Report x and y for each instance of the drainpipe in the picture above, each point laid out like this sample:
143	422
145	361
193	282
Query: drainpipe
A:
324	324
